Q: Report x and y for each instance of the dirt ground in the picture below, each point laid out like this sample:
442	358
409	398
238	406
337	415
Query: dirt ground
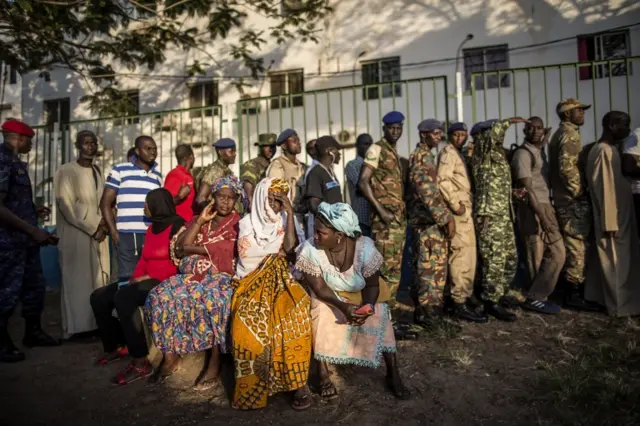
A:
525	373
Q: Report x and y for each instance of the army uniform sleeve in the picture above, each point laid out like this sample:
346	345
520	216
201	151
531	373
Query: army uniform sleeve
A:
498	131
372	157
276	170
446	169
568	151
210	174
481	176
424	177
5	175
248	173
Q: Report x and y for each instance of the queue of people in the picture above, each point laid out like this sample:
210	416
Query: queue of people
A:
275	269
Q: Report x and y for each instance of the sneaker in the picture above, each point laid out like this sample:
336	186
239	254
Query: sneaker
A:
542	306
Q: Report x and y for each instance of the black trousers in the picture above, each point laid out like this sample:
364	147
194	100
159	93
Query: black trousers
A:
128	327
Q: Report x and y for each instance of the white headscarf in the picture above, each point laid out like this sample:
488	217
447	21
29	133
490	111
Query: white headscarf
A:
261	231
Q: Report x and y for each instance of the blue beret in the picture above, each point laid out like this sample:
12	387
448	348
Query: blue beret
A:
429	125
224	143
286	134
393	117
482	126
457	126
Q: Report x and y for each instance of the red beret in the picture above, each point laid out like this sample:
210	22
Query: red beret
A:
15	126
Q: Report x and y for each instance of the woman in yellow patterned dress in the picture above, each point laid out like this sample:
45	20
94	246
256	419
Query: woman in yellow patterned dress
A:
270	312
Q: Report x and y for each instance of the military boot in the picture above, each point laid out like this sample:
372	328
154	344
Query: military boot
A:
35	336
8	351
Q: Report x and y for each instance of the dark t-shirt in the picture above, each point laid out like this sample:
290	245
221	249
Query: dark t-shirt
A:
321	184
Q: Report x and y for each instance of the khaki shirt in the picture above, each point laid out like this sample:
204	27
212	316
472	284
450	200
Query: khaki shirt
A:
283	168
453	179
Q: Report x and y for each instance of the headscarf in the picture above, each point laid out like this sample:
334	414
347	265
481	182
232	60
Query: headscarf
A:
341	217
262	230
229	182
163	211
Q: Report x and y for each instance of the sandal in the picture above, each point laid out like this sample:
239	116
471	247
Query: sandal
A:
131	374
301	400
118	354
328	390
402	394
206	384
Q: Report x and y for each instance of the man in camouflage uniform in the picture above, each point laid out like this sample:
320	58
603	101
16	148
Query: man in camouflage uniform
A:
382	184
571	198
253	171
494	215
226	153
432	223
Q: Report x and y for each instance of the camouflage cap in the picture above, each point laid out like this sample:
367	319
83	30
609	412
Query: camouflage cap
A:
266	139
569	104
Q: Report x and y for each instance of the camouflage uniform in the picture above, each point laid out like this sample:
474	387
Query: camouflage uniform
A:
20	266
214	171
254	170
492	199
387	183
571	200
428	214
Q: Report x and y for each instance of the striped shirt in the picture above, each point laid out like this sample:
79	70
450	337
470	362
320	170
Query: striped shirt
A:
132	184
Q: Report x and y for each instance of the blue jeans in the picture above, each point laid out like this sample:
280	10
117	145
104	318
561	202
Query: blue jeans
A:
128	253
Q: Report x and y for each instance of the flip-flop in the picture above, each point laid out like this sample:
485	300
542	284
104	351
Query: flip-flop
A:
120	353
207	384
301	403
328	390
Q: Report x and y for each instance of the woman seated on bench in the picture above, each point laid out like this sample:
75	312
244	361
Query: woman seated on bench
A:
154	266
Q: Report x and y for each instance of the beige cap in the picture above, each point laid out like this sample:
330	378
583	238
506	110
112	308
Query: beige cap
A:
569	104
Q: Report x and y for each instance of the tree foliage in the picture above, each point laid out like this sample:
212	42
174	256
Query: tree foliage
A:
98	39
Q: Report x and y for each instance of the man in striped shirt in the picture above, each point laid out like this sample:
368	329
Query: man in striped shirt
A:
127	187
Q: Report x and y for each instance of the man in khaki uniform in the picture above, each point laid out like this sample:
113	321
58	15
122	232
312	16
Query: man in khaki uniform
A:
571	198
455	187
537	225
287	167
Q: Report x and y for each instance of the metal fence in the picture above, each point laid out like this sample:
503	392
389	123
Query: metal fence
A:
606	85
343	112
54	144
346	112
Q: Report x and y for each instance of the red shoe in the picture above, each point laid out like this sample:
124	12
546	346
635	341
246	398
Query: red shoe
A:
118	354
132	373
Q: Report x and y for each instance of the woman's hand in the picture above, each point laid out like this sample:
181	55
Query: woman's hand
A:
208	213
284	200
349	312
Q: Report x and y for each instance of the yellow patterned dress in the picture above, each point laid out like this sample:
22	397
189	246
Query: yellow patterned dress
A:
271	332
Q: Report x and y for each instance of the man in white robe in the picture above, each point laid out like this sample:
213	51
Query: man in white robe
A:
613	275
84	251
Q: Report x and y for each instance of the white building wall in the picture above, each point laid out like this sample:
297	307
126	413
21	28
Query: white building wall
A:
11	94
423	33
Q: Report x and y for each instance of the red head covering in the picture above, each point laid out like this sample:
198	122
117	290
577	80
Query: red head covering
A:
15	126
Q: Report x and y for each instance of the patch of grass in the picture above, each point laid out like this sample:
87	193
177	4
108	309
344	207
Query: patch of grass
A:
599	386
459	357
444	328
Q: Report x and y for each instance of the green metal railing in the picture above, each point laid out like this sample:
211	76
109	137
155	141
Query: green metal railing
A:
343	112
54	144
528	91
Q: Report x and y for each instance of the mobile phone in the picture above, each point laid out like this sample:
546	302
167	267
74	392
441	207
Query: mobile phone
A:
365	310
